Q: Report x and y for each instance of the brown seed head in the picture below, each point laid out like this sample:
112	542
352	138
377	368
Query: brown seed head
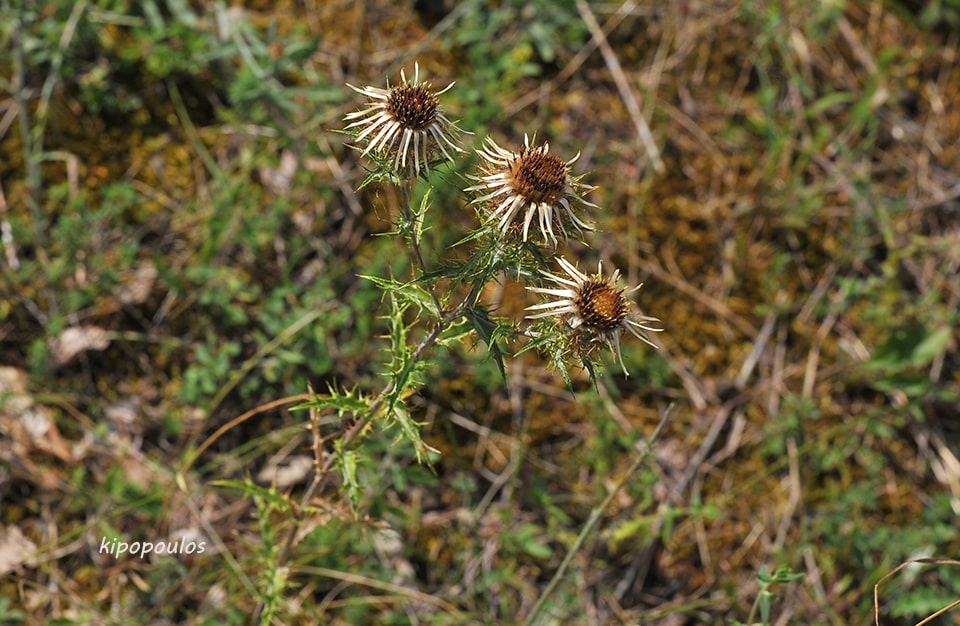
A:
601	307
539	176
414	106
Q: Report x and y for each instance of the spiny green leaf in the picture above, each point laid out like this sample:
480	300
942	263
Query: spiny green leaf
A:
456	332
410	430
348	462
405	380
398	332
493	256
418	217
409	292
382	171
350	402
268	494
554	345
474	235
403	368
490	332
591	372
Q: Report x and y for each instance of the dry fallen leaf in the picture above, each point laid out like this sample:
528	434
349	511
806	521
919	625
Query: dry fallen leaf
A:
137	285
26	424
76	339
15	549
294	470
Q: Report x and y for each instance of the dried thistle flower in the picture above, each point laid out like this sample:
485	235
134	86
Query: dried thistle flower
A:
406	121
593	308
533	183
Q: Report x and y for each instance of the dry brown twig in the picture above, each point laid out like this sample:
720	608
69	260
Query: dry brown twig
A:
623	86
894	571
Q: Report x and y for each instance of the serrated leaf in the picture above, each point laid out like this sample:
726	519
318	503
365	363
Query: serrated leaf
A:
350	402
552	345
475	235
418	217
348	462
402	366
456	332
267	494
398	333
387	284
482	323
410	430
408	292
489	331
591	372
381	172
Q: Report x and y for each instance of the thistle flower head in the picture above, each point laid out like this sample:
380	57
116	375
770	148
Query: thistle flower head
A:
406	122
593	308
531	183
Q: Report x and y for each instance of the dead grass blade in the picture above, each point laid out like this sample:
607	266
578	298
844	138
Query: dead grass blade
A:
892	573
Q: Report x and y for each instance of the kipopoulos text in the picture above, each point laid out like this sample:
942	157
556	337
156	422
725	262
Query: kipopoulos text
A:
117	548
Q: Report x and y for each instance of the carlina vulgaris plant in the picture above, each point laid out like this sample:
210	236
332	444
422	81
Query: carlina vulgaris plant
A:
592	310
530	182
404	129
406	122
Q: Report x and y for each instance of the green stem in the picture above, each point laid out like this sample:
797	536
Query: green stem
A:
358	427
446	319
408	215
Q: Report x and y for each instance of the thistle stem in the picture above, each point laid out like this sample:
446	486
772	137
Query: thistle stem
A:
358	427
408	215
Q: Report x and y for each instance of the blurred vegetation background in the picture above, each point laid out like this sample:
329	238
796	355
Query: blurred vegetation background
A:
182	239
